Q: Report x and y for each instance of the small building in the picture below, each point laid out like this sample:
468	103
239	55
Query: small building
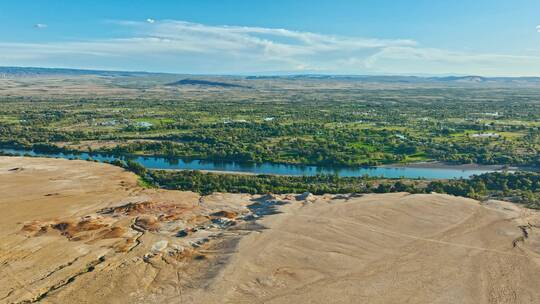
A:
485	135
144	124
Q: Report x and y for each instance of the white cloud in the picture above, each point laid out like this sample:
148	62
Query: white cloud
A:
40	25
150	20
438	61
178	46
538	28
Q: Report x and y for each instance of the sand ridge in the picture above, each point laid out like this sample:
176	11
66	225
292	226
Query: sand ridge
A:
84	232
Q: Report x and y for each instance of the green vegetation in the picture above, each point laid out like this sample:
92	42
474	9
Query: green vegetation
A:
206	183
327	123
519	187
331	122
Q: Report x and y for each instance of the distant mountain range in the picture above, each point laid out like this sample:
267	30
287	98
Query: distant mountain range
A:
34	72
405	79
218	81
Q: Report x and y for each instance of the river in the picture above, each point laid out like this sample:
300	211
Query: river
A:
446	172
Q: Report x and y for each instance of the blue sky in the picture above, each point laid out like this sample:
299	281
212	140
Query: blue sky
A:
416	37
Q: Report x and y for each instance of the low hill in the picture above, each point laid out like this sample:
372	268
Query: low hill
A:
279	80
39	72
205	83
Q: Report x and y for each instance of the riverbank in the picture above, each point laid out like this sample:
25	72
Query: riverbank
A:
445	165
427	171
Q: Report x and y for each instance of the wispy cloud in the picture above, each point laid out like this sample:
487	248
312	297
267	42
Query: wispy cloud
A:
179	46
440	61
538	28
40	26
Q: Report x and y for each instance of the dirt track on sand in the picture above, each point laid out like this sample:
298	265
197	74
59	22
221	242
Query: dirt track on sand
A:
83	232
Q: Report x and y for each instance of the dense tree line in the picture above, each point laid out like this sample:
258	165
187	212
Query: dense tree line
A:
260	184
520	187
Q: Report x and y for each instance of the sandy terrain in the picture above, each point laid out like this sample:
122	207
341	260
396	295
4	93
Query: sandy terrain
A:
83	232
60	86
393	248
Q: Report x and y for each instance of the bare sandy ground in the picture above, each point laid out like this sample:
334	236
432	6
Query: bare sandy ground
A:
393	248
83	232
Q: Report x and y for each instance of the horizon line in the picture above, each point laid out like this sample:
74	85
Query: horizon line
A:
266	74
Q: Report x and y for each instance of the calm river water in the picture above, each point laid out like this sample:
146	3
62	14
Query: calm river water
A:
270	168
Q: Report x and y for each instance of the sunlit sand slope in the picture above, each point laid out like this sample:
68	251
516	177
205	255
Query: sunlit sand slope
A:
83	232
392	248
